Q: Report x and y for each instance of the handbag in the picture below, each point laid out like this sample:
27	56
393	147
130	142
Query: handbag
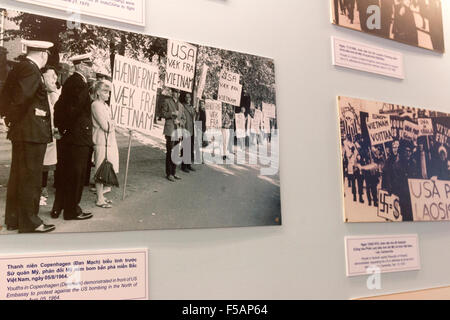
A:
105	173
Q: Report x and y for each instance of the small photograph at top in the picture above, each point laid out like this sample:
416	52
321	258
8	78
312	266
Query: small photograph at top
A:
414	22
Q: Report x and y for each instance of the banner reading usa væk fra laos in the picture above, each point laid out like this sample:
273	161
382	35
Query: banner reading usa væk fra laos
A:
133	96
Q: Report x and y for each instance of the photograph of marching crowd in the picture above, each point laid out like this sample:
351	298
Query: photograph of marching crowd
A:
395	162
107	130
414	22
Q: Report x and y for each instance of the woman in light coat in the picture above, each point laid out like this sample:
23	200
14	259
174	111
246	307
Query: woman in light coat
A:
103	130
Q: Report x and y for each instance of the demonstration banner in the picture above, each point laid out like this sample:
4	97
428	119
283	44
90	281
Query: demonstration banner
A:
180	67
269	110
410	131
425	127
133	96
379	128
213	110
389	206
255	122
229	88
430	199
202	81
240	125
442	131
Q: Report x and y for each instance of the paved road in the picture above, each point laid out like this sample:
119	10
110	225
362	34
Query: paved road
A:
213	196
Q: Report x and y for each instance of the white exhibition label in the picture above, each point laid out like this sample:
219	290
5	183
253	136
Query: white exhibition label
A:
94	275
129	11
358	56
384	253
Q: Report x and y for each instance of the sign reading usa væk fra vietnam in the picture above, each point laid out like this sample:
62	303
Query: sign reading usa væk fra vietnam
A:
133	96
180	67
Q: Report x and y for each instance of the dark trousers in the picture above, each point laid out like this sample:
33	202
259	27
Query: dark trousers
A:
61	149
24	186
191	141
352	184
171	167
360	180
371	188
74	176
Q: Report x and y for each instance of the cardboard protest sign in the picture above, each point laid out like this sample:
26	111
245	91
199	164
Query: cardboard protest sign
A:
425	127
255	122
213	110
389	206
429	199
133	96
410	131
269	110
442	131
202	81
379	128
240	125
229	88
180	67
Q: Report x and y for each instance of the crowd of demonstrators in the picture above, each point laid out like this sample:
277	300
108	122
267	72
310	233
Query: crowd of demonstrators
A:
397	18
388	167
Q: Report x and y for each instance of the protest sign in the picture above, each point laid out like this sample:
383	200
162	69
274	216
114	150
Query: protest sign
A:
425	127
269	110
202	81
229	88
389	206
133	96
213	110
410	131
442	132
430	199
240	125
180	67
379	128
255	122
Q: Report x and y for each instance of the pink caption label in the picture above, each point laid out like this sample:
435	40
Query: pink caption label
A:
99	275
382	253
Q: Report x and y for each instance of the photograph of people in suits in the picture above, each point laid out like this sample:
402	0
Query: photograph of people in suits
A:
194	147
413	22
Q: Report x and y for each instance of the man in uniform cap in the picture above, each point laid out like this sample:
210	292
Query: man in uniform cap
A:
73	118
27	113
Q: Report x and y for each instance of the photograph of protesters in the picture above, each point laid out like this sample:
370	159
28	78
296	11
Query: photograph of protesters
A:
104	138
133	83
413	22
393	155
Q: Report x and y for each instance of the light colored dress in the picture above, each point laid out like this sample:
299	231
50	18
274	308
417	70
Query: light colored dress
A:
50	158
101	118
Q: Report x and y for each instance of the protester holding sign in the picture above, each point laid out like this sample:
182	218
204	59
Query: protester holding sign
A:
172	111
227	126
189	114
104	136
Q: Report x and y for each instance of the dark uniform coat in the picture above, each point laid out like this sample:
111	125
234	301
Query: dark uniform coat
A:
25	105
73	118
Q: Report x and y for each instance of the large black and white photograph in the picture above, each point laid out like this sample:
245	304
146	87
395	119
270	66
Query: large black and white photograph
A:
395	162
108	130
414	22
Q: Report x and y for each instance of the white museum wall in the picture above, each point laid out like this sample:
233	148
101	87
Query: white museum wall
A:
303	259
